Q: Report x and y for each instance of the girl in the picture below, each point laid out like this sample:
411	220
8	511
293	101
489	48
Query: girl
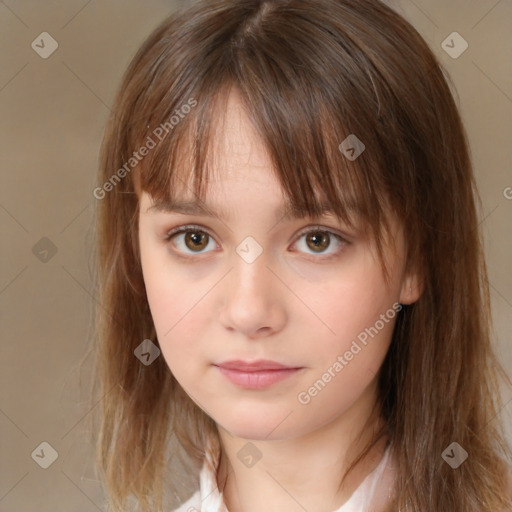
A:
290	273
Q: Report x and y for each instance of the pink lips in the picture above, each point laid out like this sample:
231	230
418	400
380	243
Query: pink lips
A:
257	374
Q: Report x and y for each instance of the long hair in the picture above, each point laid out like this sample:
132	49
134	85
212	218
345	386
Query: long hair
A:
311	73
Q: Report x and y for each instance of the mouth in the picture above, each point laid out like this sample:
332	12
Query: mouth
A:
254	366
257	374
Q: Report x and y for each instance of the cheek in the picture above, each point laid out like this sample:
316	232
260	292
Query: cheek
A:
177	336
343	365
358	314
166	293
178	301
173	307
351	303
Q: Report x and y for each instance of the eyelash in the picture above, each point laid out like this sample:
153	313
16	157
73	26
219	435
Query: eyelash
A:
311	229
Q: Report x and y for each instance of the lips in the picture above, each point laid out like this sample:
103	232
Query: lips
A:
256	375
254	366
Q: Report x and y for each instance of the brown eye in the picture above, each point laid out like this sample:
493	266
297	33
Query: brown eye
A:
190	240
196	240
318	241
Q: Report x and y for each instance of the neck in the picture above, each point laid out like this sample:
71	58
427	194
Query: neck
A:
303	473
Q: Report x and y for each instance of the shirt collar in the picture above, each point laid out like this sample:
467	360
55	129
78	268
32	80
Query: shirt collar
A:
212	499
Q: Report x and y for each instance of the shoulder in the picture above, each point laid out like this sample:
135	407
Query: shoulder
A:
193	504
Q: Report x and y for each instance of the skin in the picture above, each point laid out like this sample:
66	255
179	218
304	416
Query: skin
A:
292	305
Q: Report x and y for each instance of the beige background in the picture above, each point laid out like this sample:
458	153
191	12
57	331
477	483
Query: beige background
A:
52	116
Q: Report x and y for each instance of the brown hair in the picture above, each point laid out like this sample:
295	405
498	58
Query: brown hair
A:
310	74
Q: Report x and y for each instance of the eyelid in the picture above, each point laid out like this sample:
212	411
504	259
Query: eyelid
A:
319	227
186	227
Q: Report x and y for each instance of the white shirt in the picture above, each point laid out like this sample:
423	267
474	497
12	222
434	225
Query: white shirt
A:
209	499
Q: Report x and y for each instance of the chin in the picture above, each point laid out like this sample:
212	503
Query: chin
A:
258	426
255	434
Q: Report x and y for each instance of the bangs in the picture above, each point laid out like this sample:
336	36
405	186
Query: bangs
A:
303	145
313	122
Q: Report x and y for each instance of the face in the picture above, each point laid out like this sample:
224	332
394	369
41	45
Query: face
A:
251	285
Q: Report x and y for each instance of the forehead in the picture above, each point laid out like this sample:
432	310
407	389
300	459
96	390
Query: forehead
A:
218	163
240	170
238	150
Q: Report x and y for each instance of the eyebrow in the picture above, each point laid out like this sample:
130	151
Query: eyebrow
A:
199	208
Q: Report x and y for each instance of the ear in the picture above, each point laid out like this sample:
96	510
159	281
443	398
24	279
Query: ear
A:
412	288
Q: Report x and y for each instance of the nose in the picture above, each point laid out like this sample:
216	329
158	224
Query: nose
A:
253	299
